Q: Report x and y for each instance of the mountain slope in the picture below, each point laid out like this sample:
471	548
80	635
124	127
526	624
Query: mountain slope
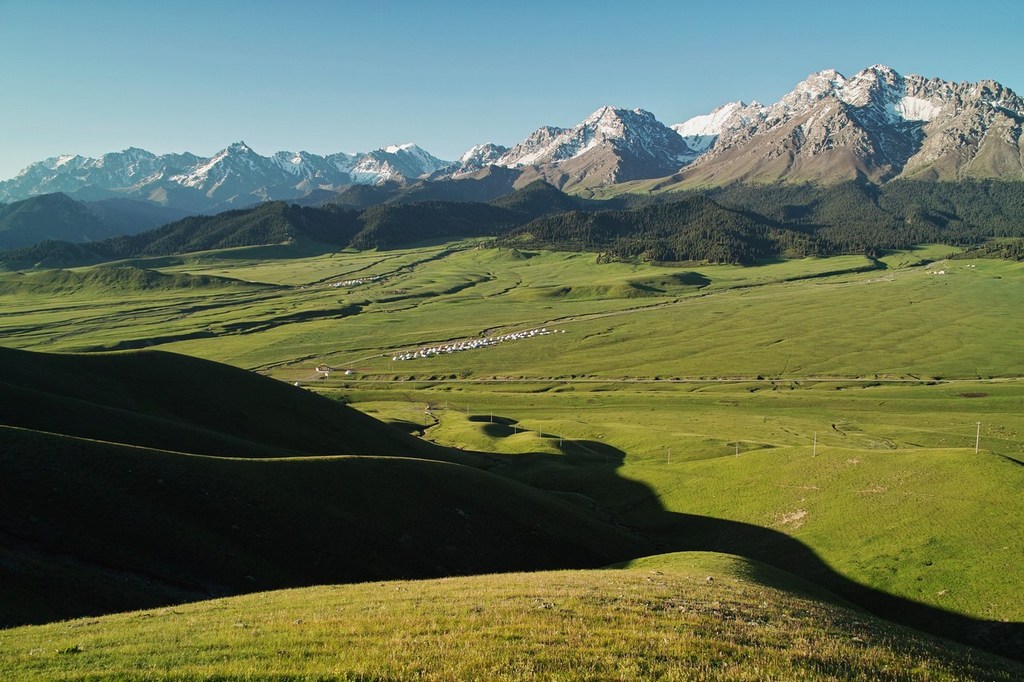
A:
877	125
741	223
83	520
114	280
694	228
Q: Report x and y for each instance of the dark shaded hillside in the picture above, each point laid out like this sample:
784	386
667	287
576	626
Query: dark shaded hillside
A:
744	223
381	226
365	196
857	217
88	527
174	402
390	225
269	223
147	478
538	199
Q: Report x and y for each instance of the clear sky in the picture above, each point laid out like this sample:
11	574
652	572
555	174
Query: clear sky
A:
91	77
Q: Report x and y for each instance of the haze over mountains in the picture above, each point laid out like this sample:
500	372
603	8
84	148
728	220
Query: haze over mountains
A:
876	126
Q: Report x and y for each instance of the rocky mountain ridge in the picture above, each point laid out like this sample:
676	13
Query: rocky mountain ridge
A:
609	146
876	126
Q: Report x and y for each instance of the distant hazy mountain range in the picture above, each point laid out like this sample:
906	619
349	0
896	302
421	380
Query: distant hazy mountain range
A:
876	126
60	218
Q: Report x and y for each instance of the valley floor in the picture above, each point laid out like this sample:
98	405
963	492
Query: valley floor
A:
854	422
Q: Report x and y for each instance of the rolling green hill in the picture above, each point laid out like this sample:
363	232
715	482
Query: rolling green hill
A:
677	617
113	280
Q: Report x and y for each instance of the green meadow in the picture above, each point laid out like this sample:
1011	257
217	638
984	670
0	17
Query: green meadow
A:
855	422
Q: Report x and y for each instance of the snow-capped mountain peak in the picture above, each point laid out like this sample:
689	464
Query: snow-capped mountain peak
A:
626	129
476	158
876	124
396	162
482	154
235	175
609	145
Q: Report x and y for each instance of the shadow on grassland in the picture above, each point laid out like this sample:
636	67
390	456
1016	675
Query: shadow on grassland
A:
590	470
691	532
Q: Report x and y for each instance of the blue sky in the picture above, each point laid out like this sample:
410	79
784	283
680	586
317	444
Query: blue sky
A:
92	77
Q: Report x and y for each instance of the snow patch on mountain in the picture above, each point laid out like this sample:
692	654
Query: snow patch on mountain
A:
917	109
701	132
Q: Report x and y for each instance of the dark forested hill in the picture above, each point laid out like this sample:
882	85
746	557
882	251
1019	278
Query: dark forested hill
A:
695	228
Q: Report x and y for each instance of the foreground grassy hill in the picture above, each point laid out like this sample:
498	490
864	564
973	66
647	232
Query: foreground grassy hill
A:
679	617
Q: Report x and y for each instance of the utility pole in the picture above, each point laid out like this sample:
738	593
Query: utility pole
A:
814	452
977	439
737	448
670	455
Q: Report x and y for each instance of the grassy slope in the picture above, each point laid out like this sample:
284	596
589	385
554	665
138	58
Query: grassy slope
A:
112	280
661	619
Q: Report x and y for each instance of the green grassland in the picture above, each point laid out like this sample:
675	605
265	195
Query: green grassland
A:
693	616
778	320
816	414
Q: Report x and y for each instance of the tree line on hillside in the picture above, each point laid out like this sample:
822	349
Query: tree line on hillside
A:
739	224
857	217
695	228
